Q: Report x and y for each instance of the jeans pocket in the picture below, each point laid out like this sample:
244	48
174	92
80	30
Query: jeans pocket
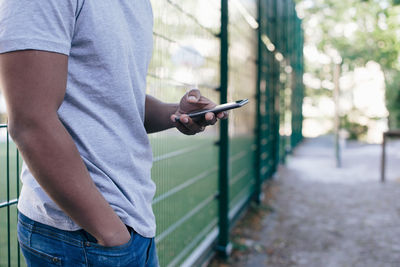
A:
37	250
91	242
132	254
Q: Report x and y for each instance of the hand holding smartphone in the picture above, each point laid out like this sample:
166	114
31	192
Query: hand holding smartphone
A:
217	109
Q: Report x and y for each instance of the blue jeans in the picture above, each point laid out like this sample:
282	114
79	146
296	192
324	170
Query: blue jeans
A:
43	245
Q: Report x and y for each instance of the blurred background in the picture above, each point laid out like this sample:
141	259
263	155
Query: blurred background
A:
362	38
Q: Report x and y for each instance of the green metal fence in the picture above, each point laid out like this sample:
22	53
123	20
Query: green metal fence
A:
186	54
230	50
10	164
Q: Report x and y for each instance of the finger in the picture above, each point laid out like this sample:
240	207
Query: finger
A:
180	124
174	118
223	115
190	124
210	118
193	126
184	118
184	129
193	96
206	102
188	128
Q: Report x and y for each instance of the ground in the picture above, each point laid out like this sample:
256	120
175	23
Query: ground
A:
315	214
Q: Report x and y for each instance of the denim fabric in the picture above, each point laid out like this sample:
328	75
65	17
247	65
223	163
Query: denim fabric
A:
43	245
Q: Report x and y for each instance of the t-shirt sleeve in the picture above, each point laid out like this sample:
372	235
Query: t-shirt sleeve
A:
46	25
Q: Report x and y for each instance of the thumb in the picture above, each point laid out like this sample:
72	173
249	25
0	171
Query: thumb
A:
193	96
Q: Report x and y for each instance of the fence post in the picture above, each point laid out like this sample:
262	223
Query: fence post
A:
224	247
275	92
383	158
259	117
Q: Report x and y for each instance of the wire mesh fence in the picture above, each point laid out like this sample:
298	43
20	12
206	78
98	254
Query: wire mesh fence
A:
10	165
262	51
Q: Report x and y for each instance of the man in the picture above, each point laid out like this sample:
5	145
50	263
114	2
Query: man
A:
73	73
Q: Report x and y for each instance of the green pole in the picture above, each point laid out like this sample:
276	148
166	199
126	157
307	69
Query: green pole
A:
224	247
259	117
276	83
294	96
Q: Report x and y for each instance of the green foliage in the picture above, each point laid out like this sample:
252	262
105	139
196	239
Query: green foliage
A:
356	130
393	97
361	31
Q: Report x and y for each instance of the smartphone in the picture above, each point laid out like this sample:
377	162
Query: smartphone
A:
217	109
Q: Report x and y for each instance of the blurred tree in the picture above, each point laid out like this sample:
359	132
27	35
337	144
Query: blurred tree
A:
361	31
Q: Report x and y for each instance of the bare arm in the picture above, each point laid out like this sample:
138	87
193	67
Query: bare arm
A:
34	84
157	115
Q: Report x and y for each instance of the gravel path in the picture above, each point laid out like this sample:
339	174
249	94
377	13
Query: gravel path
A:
325	216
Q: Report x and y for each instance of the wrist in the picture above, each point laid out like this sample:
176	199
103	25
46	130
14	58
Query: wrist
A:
113	238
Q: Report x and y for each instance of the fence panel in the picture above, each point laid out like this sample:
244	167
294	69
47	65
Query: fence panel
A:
10	165
186	54
267	83
242	75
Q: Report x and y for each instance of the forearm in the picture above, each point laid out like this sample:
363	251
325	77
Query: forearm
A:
157	114
55	162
